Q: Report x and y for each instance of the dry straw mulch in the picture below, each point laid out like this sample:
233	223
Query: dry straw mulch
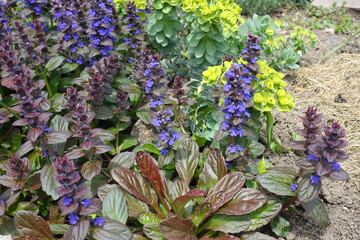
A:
334	88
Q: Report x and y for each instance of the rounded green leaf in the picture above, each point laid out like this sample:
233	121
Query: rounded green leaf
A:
114	206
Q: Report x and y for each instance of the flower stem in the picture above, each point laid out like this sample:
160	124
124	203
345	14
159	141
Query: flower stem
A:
47	84
9	109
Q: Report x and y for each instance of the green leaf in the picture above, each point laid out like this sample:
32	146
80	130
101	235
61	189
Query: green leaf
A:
176	228
144	116
280	226
124	159
316	209
54	62
127	141
28	223
112	230
256	148
103	112
245	201
15	140
7	226
148	217
27	206
59	228
263	165
90	169
135	206
307	190
69	67
277	183
152	231
114	206
214	168
265	214
48	182
151	148
186	159
227	224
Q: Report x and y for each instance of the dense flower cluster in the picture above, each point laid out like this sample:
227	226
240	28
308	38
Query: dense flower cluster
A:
101	75
133	30
103	22
72	28
152	76
18	168
312	129
81	115
162	122
5	12
32	105
238	89
323	151
34	7
72	194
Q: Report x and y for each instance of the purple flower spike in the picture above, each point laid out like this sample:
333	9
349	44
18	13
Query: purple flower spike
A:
67	200
293	187
315	179
73	218
85	202
99	221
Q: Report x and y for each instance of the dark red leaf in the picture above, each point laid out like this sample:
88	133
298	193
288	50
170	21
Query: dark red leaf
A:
181	201
28	223
214	168
245	201
78	231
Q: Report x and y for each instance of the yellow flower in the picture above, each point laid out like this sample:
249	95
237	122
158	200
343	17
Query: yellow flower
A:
269	31
258	98
269	84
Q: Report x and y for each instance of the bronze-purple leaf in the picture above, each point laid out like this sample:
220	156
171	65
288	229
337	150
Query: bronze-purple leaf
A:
245	201
28	223
94	207
308	190
181	201
78	231
58	137
90	169
339	175
176	228
34	133
135	184
150	170
322	168
229	185
186	159
214	168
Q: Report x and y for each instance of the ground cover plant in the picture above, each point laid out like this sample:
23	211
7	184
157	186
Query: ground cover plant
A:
123	120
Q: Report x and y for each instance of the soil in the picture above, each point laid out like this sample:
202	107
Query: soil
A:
342	199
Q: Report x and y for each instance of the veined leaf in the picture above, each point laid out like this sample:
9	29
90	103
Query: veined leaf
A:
214	168
264	214
114	206
48	182
180	202
280	226
28	223
148	217
186	159
176	228
135	184
150	170
245	201
152	231
307	190
277	183
227	224
78	231
135	206
90	169
316	209
255	236
112	230
124	159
